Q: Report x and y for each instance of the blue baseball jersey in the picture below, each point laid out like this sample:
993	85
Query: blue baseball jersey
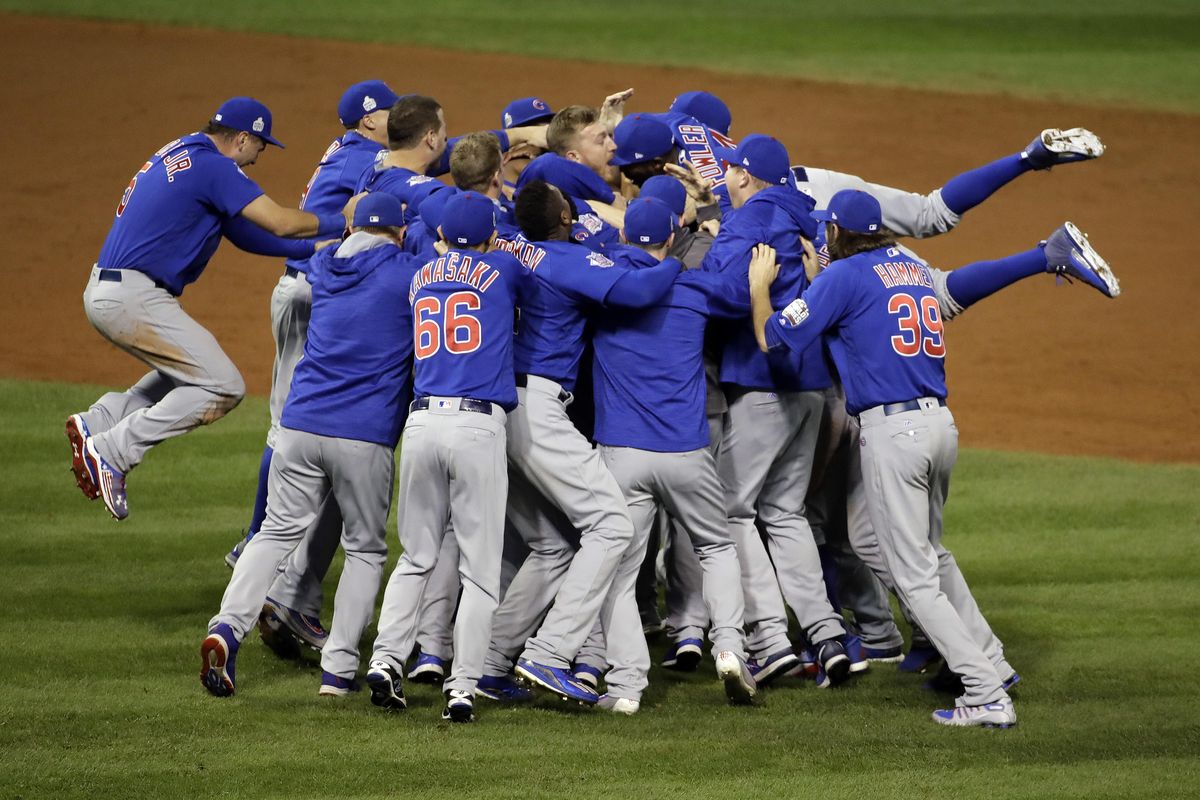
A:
883	326
571	178
464	307
409	187
594	233
333	181
353	381
168	222
706	149
648	364
778	216
570	279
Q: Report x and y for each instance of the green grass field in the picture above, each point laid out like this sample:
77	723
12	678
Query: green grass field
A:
1088	570
1102	52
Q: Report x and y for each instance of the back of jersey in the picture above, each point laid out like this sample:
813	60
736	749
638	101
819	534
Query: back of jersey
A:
463	315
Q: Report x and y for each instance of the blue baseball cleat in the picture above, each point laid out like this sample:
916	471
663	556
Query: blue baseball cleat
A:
587	674
883	655
1054	146
277	623
1011	681
919	658
387	690
773	667
428	669
559	681
218	654
108	480
858	657
336	686
1070	254
992	715
684	655
460	706
503	689
833	664
231	558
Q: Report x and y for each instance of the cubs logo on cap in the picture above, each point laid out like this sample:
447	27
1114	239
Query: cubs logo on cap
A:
364	98
526	111
249	115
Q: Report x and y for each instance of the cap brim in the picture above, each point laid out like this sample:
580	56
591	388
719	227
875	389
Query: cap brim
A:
539	120
618	161
270	140
824	215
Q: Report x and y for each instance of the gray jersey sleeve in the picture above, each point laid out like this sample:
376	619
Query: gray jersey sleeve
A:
907	213
950	307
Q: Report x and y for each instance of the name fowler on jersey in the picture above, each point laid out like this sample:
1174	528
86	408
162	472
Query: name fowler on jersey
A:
457	267
699	152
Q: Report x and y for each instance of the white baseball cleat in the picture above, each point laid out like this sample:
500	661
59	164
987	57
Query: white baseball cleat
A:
1055	146
740	686
618	705
992	715
1069	253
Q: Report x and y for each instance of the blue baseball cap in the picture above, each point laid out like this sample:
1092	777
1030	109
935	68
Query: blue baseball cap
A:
379	210
853	210
249	115
362	99
764	157
705	107
468	218
641	137
526	111
667	189
433	206
648	220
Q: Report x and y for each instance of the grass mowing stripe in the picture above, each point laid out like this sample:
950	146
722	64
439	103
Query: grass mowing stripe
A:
1086	567
1066	49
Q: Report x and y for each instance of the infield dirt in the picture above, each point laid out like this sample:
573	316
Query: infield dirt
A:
1042	367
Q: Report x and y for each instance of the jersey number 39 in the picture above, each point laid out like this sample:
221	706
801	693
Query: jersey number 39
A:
451	325
920	326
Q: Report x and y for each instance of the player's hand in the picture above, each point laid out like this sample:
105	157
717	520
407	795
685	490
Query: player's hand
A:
712	227
698	187
351	204
812	264
441	246
763	266
525	150
612	110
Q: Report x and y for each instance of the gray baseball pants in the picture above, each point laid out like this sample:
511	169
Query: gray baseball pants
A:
191	383
907	459
452	467
305	469
765	465
686	484
560	463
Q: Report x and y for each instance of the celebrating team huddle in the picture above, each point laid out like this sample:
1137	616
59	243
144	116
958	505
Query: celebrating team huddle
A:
602	337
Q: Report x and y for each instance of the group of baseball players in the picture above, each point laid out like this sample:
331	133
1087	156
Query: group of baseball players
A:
622	352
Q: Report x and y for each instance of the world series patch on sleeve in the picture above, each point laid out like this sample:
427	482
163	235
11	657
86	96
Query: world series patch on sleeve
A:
795	313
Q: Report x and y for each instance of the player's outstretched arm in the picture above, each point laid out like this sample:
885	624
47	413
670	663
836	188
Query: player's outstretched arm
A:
247	236
640	288
291	223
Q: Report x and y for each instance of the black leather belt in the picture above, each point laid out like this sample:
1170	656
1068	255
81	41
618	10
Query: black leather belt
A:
523	382
291	272
909	405
114	276
464	404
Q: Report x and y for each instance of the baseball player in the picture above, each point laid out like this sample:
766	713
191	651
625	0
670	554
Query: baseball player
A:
339	429
291	615
453	465
167	226
546	448
653	436
775	406
885	331
704	107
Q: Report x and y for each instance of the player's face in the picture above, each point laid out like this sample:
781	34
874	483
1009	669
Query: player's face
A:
735	183
595	148
439	142
248	148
